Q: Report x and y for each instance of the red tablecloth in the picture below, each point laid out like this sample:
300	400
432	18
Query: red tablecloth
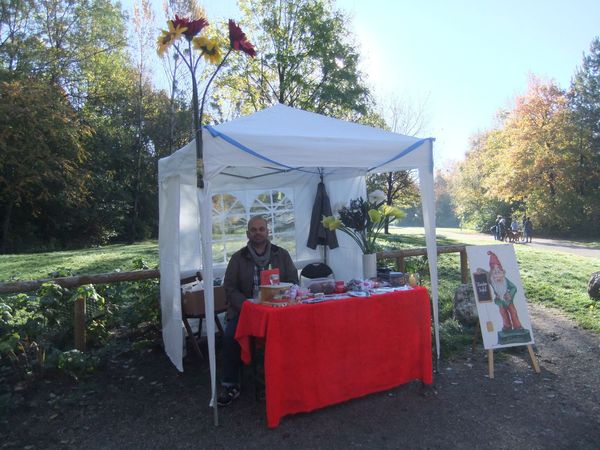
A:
326	353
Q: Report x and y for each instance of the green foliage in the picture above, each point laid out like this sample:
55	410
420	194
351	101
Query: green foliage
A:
541	161
585	103
36	331
306	59
41	152
453	337
81	128
77	364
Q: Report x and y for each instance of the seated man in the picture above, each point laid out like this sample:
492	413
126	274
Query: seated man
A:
242	280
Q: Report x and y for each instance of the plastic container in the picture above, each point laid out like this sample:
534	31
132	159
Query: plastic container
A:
318	285
397	279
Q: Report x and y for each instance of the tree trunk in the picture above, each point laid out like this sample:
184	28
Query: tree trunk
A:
137	177
6	227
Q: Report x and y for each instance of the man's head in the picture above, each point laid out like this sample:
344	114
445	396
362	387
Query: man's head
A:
258	231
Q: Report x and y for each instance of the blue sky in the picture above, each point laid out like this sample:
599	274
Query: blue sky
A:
462	59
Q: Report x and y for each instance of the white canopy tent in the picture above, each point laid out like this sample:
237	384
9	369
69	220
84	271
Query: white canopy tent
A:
276	148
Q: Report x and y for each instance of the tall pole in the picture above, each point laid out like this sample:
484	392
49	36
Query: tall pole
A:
197	134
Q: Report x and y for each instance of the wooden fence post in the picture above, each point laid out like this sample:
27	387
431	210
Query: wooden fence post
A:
464	270
79	323
400	263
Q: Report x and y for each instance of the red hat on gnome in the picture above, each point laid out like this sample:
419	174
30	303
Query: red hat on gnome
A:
494	261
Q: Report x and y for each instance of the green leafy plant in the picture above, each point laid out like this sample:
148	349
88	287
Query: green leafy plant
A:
77	364
363	221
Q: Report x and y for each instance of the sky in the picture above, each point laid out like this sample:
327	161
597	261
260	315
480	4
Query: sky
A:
460	61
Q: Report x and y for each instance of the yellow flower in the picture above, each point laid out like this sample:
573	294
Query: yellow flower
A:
392	211
331	223
209	47
167	38
375	215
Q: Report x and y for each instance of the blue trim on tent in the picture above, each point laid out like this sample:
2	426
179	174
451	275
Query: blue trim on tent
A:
242	147
404	153
248	150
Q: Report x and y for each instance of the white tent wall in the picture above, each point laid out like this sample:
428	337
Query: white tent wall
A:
428	205
260	151
344	261
168	235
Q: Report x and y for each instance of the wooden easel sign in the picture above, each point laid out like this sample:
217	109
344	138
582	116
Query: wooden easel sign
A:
500	298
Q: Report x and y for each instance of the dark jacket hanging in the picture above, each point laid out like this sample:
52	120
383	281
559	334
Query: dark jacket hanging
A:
318	234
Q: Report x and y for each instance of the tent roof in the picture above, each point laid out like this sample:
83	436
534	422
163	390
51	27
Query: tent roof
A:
282	137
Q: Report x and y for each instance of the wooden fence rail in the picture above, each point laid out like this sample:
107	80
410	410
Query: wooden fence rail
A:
114	277
400	255
76	281
79	327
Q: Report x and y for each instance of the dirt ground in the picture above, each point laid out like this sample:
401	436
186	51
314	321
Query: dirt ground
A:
141	401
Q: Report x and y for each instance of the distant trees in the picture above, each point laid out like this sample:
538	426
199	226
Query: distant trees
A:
42	167
543	160
81	127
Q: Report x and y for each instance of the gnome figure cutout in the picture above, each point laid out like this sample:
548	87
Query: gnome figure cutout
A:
504	294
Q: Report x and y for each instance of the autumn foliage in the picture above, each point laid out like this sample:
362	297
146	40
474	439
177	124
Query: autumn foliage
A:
536	163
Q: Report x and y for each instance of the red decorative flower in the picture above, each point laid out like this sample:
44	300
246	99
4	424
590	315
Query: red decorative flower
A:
194	27
180	22
238	40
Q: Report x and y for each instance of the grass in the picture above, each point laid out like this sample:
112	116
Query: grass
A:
550	278
90	261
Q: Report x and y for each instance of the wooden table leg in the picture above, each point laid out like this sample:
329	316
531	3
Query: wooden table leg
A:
195	345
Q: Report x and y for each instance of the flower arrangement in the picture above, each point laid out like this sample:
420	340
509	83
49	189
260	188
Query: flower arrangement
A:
363	221
209	49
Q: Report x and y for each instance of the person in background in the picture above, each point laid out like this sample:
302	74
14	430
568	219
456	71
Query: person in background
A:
242	280
528	229
500	229
514	225
494	231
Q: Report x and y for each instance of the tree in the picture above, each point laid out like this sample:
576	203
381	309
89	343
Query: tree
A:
444	207
540	165
306	60
42	153
476	204
584	98
528	165
406	117
143	31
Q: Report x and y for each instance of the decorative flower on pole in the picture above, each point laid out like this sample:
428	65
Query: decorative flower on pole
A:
363	221
210	50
